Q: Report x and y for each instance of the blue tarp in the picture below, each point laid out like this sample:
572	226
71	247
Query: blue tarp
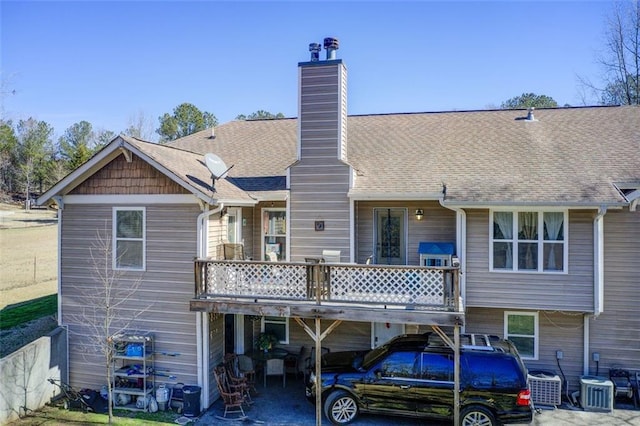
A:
426	247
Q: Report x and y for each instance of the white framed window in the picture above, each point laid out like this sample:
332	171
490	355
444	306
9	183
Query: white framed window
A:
129	238
528	241
522	329
274	234
279	326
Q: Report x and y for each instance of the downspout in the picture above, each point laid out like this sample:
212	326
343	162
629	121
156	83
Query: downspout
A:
598	282
60	203
598	261
461	238
202	333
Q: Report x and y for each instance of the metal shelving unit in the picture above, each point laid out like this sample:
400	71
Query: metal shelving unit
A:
133	369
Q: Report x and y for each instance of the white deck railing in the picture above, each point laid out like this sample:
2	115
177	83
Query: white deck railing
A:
433	288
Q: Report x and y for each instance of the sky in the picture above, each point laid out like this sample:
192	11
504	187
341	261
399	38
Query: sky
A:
108	62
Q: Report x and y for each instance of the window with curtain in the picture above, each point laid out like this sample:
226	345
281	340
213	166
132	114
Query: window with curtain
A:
528	241
129	238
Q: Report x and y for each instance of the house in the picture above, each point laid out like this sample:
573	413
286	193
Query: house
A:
539	208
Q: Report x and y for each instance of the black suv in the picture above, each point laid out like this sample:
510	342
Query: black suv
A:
412	375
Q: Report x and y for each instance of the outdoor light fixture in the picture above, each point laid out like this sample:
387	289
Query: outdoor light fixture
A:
419	214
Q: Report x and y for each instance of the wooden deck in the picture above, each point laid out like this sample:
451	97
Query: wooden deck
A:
381	293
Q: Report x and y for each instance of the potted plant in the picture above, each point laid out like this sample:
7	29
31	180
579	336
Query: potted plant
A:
265	341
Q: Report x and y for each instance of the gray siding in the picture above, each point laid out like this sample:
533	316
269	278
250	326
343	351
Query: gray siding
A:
319	181
615	334
438	225
558	331
216	349
567	292
163	294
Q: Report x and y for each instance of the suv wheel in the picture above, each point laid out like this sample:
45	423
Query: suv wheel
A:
476	415
341	408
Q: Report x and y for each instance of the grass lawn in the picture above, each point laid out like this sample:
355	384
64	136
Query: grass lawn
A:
14	315
50	415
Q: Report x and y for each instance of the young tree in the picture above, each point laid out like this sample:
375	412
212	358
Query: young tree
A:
260	115
186	120
528	100
620	60
109	306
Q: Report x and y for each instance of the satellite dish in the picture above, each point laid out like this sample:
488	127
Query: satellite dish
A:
215	165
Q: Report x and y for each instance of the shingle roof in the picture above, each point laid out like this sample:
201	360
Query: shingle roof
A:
189	167
565	156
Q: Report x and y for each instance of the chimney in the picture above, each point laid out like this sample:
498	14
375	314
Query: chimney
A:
320	210
331	45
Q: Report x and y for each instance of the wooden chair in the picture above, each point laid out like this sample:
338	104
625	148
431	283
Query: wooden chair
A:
275	367
236	381
232	400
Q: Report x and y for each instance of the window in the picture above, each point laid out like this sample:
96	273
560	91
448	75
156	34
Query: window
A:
530	241
274	234
129	233
522	329
278	326
436	366
490	372
399	364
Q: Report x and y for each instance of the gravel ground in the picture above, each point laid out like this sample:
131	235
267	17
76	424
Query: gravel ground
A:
15	338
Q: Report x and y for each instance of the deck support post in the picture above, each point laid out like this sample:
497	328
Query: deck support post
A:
455	346
317	337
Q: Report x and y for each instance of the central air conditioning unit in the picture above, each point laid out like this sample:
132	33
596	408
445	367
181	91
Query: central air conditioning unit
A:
596	394
546	388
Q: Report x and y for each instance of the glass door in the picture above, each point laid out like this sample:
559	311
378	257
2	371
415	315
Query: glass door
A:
274	234
390	236
234	230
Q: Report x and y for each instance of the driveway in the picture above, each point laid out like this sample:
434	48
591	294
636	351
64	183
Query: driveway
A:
278	406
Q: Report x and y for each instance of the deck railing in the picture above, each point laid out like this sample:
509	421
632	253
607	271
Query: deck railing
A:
422	287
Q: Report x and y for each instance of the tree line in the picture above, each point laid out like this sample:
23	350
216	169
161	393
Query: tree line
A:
31	161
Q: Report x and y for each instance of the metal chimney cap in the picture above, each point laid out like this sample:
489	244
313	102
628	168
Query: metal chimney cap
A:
530	116
315	49
331	43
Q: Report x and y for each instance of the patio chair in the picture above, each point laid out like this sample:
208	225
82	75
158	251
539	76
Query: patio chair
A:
232	400
275	367
293	362
237	381
331	256
310	362
622	384
233	251
247	369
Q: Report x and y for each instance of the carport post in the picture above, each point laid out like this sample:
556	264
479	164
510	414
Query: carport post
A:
318	339
456	375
